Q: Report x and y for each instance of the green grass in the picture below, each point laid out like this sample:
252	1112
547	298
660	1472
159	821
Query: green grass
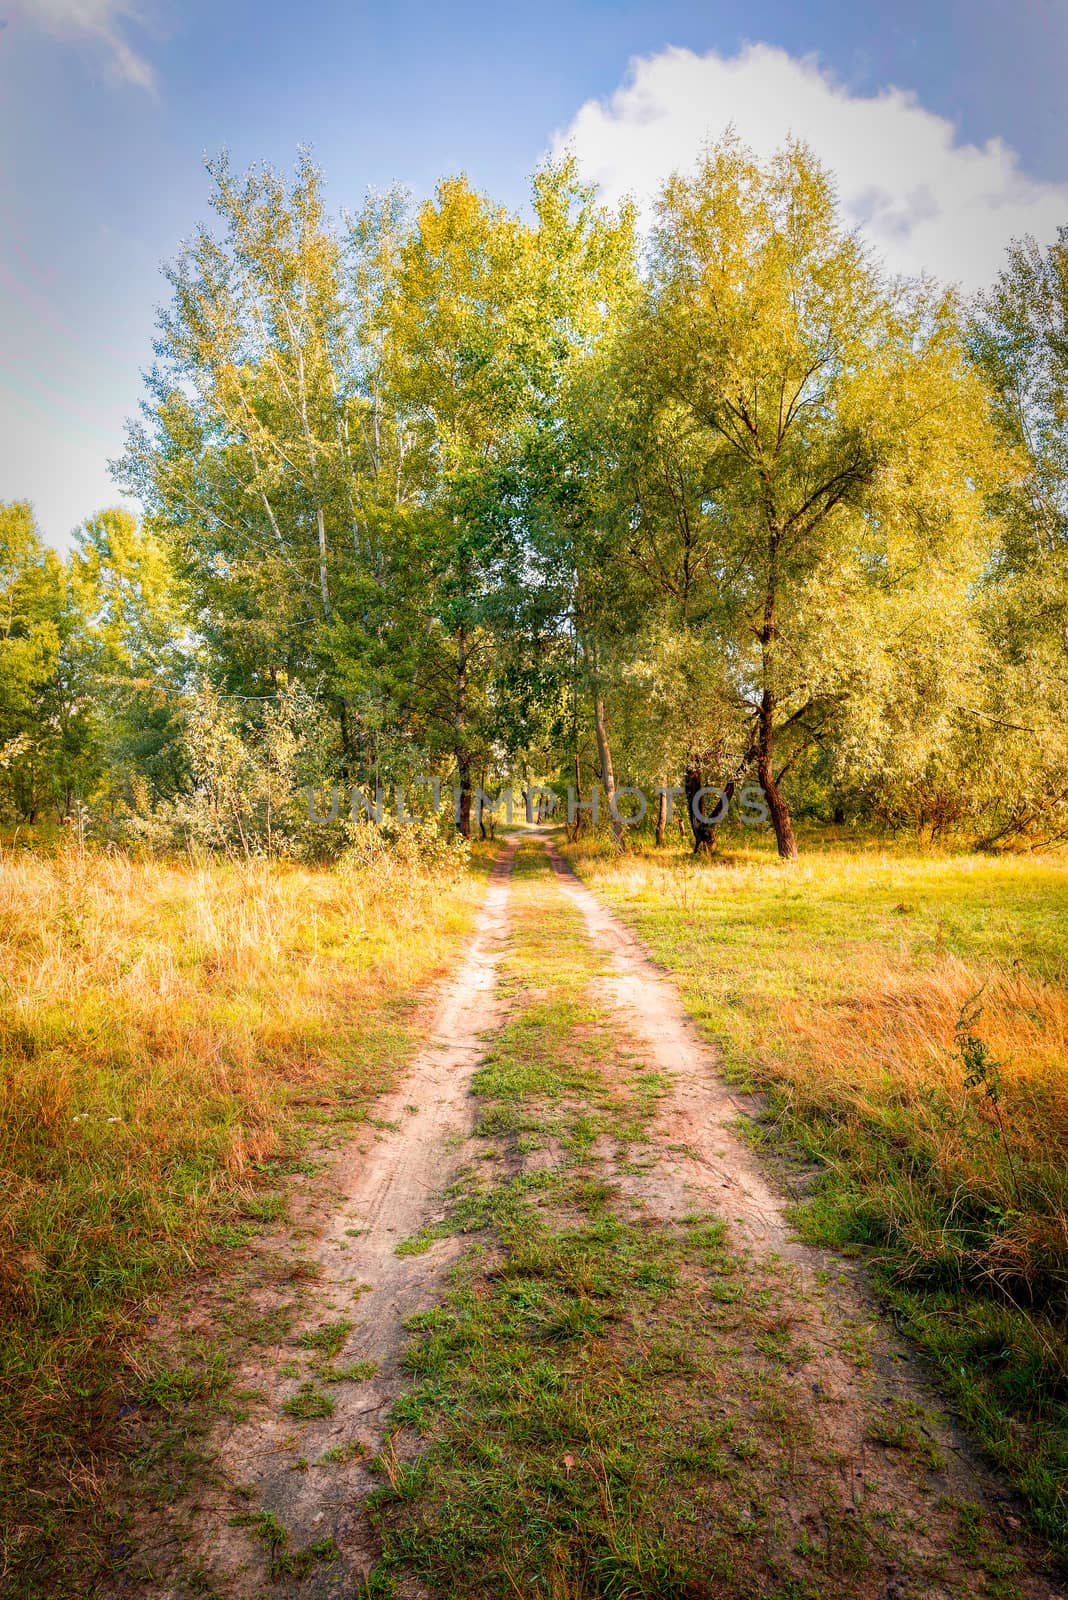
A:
837	987
284	1562
308	1402
328	1339
605	1404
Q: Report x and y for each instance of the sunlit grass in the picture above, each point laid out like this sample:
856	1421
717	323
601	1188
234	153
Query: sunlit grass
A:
167	1036
607	1402
836	985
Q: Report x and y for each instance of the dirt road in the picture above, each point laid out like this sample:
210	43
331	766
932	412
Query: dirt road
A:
851	1481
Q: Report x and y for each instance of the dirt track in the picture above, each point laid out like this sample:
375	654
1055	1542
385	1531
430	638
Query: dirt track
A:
382	1191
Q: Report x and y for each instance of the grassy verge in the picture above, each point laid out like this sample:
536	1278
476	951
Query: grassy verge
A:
907	1016
170	1038
607	1403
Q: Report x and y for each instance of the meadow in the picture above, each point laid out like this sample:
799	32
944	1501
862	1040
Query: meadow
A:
904	1015
178	1040
442	494
173	1039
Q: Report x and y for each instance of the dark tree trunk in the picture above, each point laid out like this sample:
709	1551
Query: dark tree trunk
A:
704	833
485	833
780	811
463	772
661	818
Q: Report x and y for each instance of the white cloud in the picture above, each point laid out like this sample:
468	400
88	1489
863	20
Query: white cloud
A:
925	201
103	21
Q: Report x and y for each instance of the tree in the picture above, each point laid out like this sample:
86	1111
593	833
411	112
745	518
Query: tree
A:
47	751
330	446
1019	338
669	536
490	314
252	459
136	651
843	433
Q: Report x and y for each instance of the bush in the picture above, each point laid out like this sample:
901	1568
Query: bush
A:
394	852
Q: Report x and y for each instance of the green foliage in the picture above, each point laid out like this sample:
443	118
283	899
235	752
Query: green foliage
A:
46	720
1020	341
841	445
507	507
137	654
330	445
92	661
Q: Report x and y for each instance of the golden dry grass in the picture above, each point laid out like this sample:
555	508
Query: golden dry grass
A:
845	978
166	1033
859	988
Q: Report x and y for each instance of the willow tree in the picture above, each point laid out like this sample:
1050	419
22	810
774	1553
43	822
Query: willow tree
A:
670	537
844	437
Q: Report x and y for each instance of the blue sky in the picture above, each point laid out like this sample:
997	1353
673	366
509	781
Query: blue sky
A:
106	112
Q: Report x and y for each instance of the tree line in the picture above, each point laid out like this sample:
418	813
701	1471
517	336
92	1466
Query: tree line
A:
504	497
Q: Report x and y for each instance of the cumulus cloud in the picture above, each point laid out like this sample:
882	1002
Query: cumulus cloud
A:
102	21
925	201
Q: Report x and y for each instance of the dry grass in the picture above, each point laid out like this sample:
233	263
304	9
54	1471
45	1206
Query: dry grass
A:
166	1034
842	986
846	978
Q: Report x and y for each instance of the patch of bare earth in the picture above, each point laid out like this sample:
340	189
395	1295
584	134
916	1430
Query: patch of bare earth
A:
858	1383
280	1510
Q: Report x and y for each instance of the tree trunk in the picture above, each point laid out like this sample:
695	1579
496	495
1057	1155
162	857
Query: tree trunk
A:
463	768
661	818
463	759
704	833
604	751
578	826
324	586
780	811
